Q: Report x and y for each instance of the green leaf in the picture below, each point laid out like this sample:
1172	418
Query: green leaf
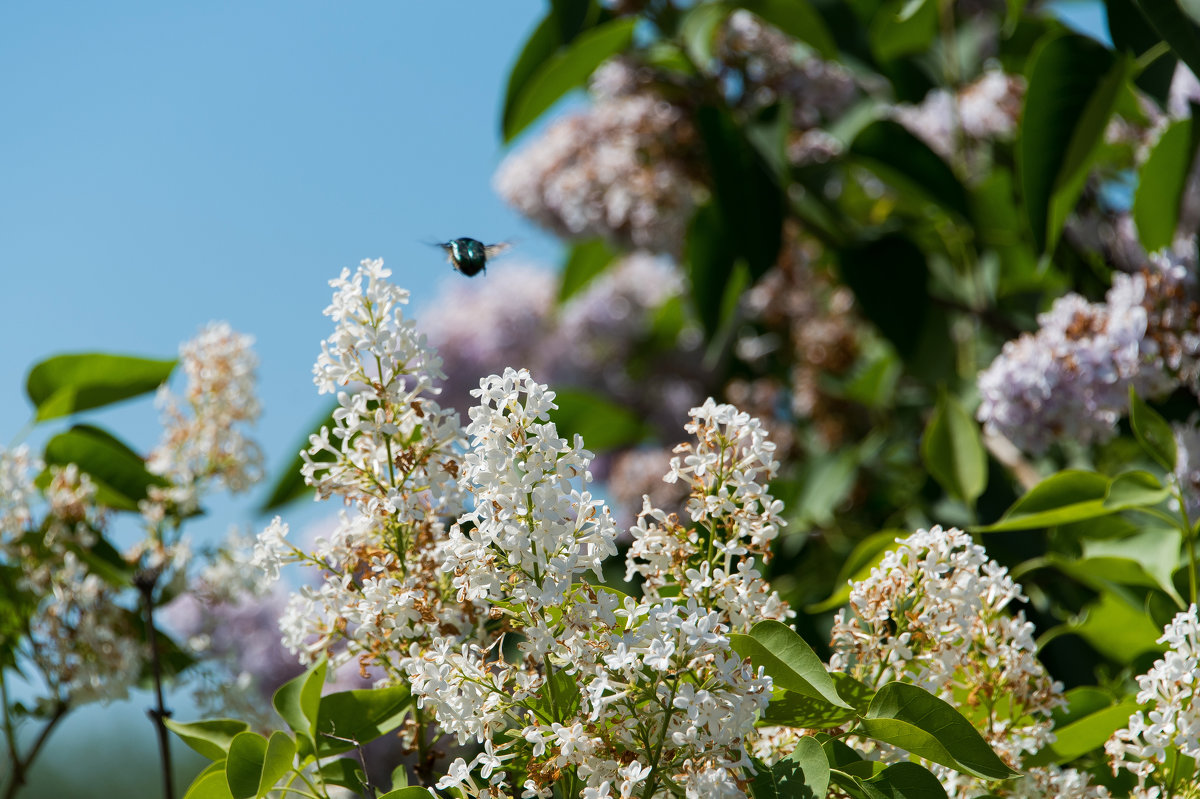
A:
1155	551
1074	83
953	450
604	424
906	162
1152	432
1161	182
211	737
1175	27
903	27
290	485
1114	628
298	701
788	659
244	766
66	384
803	774
889	278
791	709
281	751
1135	489
1083	735
119	473
798	19
1131	32
1067	496
698	31
346	772
908	781
349	718
745	191
565	70
586	260
865	557
411	792
918	722
210	785
710	257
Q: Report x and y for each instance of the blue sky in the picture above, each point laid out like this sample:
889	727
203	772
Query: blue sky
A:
167	164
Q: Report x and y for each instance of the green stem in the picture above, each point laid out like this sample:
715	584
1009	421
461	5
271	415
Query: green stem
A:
21	766
652	782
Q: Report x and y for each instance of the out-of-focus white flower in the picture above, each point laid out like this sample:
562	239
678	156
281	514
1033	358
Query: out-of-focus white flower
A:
17	492
203	432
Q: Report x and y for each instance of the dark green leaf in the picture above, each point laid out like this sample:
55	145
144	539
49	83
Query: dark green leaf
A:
1161	182
900	158
1152	431
1131	32
889	278
1073	85
750	201
210	738
791	709
65	384
918	722
604	424
565	70
586	260
1068	496
346	772
908	781
119	473
1175	27
953	450
350	718
298	700
290	485
788	659
1135	489
244	766
710	258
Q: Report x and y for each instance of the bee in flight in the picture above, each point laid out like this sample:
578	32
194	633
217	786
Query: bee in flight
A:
470	256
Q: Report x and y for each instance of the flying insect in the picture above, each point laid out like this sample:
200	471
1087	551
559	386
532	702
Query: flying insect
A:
470	256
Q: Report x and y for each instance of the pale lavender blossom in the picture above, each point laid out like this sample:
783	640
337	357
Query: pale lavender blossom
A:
616	170
1070	380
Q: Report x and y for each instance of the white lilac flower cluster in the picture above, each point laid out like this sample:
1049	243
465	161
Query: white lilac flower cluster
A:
203	436
733	521
955	125
1169	729
935	613
83	642
601	674
393	458
616	170
1070	380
